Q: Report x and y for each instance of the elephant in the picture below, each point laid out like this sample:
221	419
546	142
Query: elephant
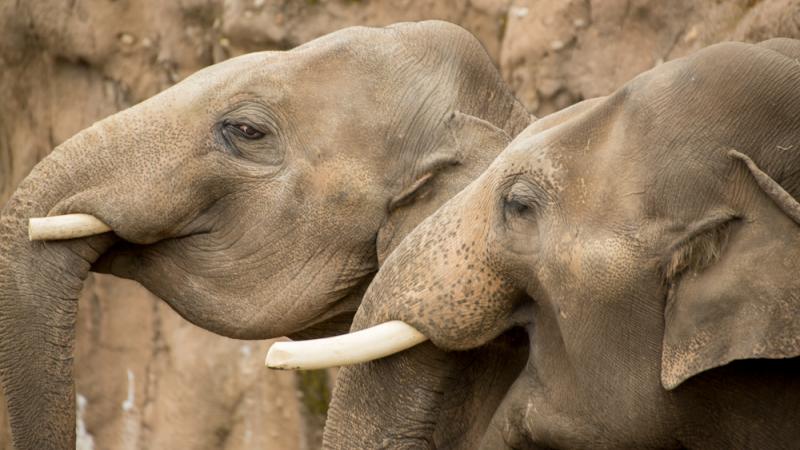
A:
646	243
257	197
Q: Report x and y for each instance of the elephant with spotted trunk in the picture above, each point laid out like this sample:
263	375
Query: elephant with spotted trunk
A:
647	243
257	197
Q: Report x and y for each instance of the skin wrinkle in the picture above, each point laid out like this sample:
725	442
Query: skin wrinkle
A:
354	276
611	365
426	58
305	288
411	135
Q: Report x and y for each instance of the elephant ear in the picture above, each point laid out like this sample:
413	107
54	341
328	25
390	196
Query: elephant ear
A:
738	296
464	149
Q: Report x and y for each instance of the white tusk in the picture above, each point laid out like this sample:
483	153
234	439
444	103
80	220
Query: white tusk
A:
68	226
361	346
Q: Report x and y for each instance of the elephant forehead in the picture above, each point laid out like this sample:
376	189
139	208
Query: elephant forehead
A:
270	76
533	156
255	73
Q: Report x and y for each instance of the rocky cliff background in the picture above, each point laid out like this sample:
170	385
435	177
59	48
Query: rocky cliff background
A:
147	379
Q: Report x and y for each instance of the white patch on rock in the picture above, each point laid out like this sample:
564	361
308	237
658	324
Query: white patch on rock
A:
84	440
519	11
246	350
129	404
130	417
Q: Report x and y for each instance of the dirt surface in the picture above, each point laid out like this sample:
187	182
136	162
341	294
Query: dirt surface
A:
555	53
146	378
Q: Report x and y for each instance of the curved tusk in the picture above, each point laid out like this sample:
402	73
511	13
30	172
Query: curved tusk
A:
68	226
361	346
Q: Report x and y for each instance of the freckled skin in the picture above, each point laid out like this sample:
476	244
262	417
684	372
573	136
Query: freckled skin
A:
569	234
248	237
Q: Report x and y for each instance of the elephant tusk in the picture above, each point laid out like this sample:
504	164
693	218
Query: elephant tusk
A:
68	226
360	346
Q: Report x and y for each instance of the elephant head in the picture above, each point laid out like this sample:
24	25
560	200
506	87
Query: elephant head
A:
648	244
257	197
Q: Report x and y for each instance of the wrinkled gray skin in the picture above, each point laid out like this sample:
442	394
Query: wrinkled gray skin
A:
355	138
648	242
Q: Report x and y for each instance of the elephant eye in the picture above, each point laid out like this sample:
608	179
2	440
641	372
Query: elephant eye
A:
515	206
520	201
246	131
241	139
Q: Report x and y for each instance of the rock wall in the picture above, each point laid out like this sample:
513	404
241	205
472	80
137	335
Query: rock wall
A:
555	53
147	379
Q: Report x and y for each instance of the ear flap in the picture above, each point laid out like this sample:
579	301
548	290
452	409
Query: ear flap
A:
467	148
746	304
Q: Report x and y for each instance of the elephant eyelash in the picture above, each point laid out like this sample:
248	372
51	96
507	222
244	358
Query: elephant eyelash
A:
699	251
516	206
521	199
236	137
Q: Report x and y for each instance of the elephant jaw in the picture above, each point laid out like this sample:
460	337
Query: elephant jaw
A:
357	347
68	226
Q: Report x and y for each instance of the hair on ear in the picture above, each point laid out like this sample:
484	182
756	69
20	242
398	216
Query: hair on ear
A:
783	199
431	166
704	245
408	193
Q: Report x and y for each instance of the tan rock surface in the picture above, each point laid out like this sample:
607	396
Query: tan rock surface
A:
147	379
555	53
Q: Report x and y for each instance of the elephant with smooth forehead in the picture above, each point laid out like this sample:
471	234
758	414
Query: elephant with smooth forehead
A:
647	242
257	197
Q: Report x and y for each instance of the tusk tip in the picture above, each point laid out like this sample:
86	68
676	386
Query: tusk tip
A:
68	226
280	359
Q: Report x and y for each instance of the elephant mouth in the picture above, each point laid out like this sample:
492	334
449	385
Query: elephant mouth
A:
79	225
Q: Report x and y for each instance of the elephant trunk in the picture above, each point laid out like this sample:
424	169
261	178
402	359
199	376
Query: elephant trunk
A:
424	397
447	289
39	287
399	411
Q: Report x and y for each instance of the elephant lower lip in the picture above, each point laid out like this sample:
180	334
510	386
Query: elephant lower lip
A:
123	258
118	260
